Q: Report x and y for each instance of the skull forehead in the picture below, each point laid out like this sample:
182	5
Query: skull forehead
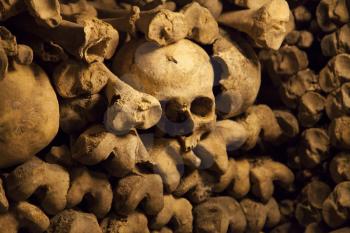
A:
182	69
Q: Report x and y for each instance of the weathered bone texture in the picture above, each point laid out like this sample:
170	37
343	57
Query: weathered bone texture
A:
239	83
175	209
25	109
267	26
72	221
129	108
46	12
94	40
132	190
339	167
309	208
218	214
23	215
73	78
94	184
11	8
119	155
336	42
330	14
339	132
335	208
202	26
136	222
335	73
183	85
259	215
35	174
76	114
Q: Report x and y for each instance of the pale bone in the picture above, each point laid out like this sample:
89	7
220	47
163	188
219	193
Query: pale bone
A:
46	12
24	215
169	161
72	221
60	155
332	13
309	206
336	208
302	14
311	108
202	26
129	108
8	47
76	114
132	190
81	7
338	102
339	167
4	204
267	26
24	55
34	174
214	6
260	215
160	26
339	132
251	4
240	77
11	8
335	73
84	182
288	123
178	209
219	214
213	150
74	78
336	42
119	155
94	40
296	86
181	77
135	222
197	186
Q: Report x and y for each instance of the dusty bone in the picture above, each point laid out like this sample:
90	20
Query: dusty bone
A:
339	167
24	55
175	209
336	42
311	108
161	26
94	40
266	25
119	155
335	73
81	7
72	221
240	77
202	26
332	13
46	12
76	114
11	8
24	215
132	190
35	174
338	102
129	108
135	222
251	4
218	214
213	150
74	78
183	85
339	132
85	182
60	155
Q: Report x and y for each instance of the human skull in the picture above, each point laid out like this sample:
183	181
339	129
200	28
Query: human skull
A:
181	77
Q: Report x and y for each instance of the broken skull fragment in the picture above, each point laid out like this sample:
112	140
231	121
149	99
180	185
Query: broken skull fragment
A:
174	116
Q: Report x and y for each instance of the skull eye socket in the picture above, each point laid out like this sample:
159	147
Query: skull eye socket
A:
174	112
202	106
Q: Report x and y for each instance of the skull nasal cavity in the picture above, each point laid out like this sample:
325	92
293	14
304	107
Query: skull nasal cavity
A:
201	106
176	112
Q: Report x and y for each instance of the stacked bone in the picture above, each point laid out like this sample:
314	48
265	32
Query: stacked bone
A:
139	116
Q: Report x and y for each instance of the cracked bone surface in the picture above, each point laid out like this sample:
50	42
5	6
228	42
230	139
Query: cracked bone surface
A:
174	116
181	77
267	25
